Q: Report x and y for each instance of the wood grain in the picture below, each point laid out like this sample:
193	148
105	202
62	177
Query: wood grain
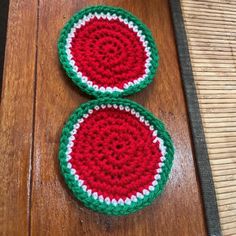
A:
211	37
164	98
16	118
54	211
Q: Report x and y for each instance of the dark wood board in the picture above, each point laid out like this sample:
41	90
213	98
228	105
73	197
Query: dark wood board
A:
16	118
50	208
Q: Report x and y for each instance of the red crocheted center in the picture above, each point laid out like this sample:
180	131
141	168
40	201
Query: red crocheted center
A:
109	53
114	154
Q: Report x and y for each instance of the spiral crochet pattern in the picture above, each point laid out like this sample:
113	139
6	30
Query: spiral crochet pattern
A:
106	51
115	156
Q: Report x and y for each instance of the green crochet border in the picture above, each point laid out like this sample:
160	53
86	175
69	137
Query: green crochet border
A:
125	14
78	192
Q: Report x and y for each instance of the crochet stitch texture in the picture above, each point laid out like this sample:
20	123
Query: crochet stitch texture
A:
115	156
107	51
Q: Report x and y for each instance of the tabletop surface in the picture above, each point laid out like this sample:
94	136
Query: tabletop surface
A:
37	98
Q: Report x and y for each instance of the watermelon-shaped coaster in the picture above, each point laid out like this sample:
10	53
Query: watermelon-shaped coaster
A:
106	51
115	156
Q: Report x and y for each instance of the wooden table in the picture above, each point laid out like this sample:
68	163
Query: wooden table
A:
37	98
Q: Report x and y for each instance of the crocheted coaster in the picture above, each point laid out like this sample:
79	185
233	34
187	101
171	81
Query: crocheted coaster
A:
115	156
106	51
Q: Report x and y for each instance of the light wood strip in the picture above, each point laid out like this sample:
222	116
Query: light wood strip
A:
225	182
214	74
228	226
228	207
218	110
225	172
230	232
225	202
222	150
216	82
227	2
196	21
203	61
211	31
219	125
225	214
212	23
217	105
226	191
223	159
202	15
228	160
230	139
223	156
220	135
226	196
204	30
219	57
229	219
210	11
204	52
221	145
221	96
216	67
210	5
230	113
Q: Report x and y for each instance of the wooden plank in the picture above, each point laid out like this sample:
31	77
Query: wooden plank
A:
225	182
214	140
221	145
203	15
54	210
224	172
210	11
229	219
225	214
219	115
218	2
229	232
213	26
224	202
16	118
224	191
220	125
195	21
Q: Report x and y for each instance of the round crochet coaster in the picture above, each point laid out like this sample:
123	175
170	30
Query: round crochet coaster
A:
115	156
106	51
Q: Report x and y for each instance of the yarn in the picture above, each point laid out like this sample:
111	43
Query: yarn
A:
115	156
106	51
